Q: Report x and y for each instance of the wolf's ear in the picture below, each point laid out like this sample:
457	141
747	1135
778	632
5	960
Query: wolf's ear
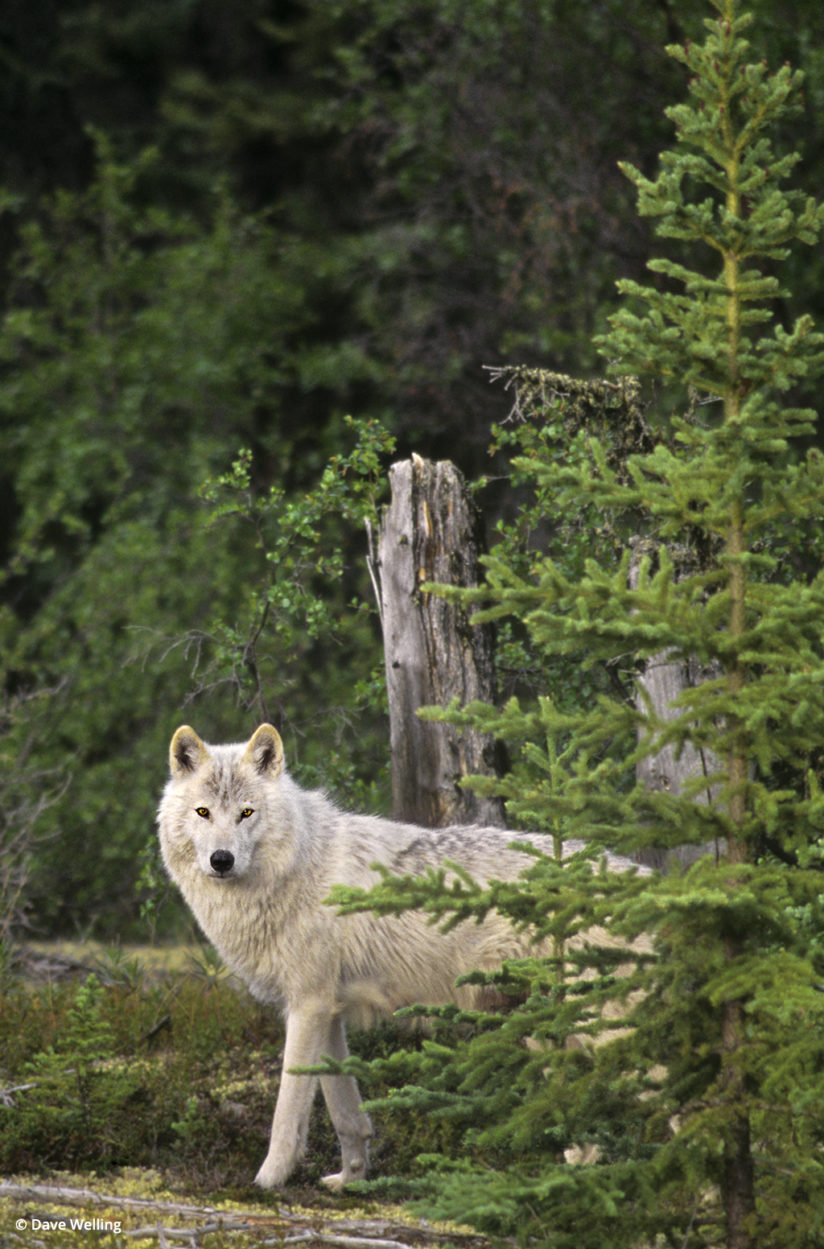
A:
186	752
265	751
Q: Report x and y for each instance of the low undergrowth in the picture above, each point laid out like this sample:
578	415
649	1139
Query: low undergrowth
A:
117	1062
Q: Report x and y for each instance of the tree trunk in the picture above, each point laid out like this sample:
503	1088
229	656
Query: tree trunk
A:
738	1174
664	679
431	532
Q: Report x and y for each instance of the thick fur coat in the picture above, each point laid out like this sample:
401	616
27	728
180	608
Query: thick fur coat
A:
256	856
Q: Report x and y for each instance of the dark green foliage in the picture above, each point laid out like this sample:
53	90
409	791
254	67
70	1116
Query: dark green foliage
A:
443	177
706	1114
294	612
252	223
138	573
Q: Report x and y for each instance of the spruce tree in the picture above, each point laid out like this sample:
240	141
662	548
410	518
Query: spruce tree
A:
707	1116
735	479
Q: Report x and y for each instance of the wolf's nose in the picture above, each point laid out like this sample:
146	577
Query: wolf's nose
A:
222	861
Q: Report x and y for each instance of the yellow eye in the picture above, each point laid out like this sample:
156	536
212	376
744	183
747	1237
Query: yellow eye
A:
203	812
246	812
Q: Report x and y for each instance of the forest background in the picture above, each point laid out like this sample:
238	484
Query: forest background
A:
225	230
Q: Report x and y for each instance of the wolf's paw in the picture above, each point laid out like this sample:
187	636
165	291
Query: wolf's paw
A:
335	1182
273	1174
354	1170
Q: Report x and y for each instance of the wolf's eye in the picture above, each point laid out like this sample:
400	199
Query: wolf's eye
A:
203	812
246	812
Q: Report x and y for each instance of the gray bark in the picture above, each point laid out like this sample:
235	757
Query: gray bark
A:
431	532
664	680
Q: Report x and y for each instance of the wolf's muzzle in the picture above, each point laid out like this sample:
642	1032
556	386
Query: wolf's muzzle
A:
222	862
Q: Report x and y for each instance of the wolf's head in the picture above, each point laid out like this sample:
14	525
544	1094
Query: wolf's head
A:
217	803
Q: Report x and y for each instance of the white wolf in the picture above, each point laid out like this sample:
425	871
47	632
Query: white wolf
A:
255	856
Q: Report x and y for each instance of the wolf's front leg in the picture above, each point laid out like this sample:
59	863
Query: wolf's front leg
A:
352	1125
307	1038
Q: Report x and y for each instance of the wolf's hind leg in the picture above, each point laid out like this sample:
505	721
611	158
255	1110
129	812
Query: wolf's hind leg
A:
352	1125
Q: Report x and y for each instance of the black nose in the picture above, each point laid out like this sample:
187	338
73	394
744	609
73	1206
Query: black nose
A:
222	861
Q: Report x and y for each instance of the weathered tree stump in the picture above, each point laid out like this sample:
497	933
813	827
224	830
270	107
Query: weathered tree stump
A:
431	532
664	679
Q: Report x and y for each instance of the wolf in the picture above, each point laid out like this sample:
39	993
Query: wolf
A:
256	856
